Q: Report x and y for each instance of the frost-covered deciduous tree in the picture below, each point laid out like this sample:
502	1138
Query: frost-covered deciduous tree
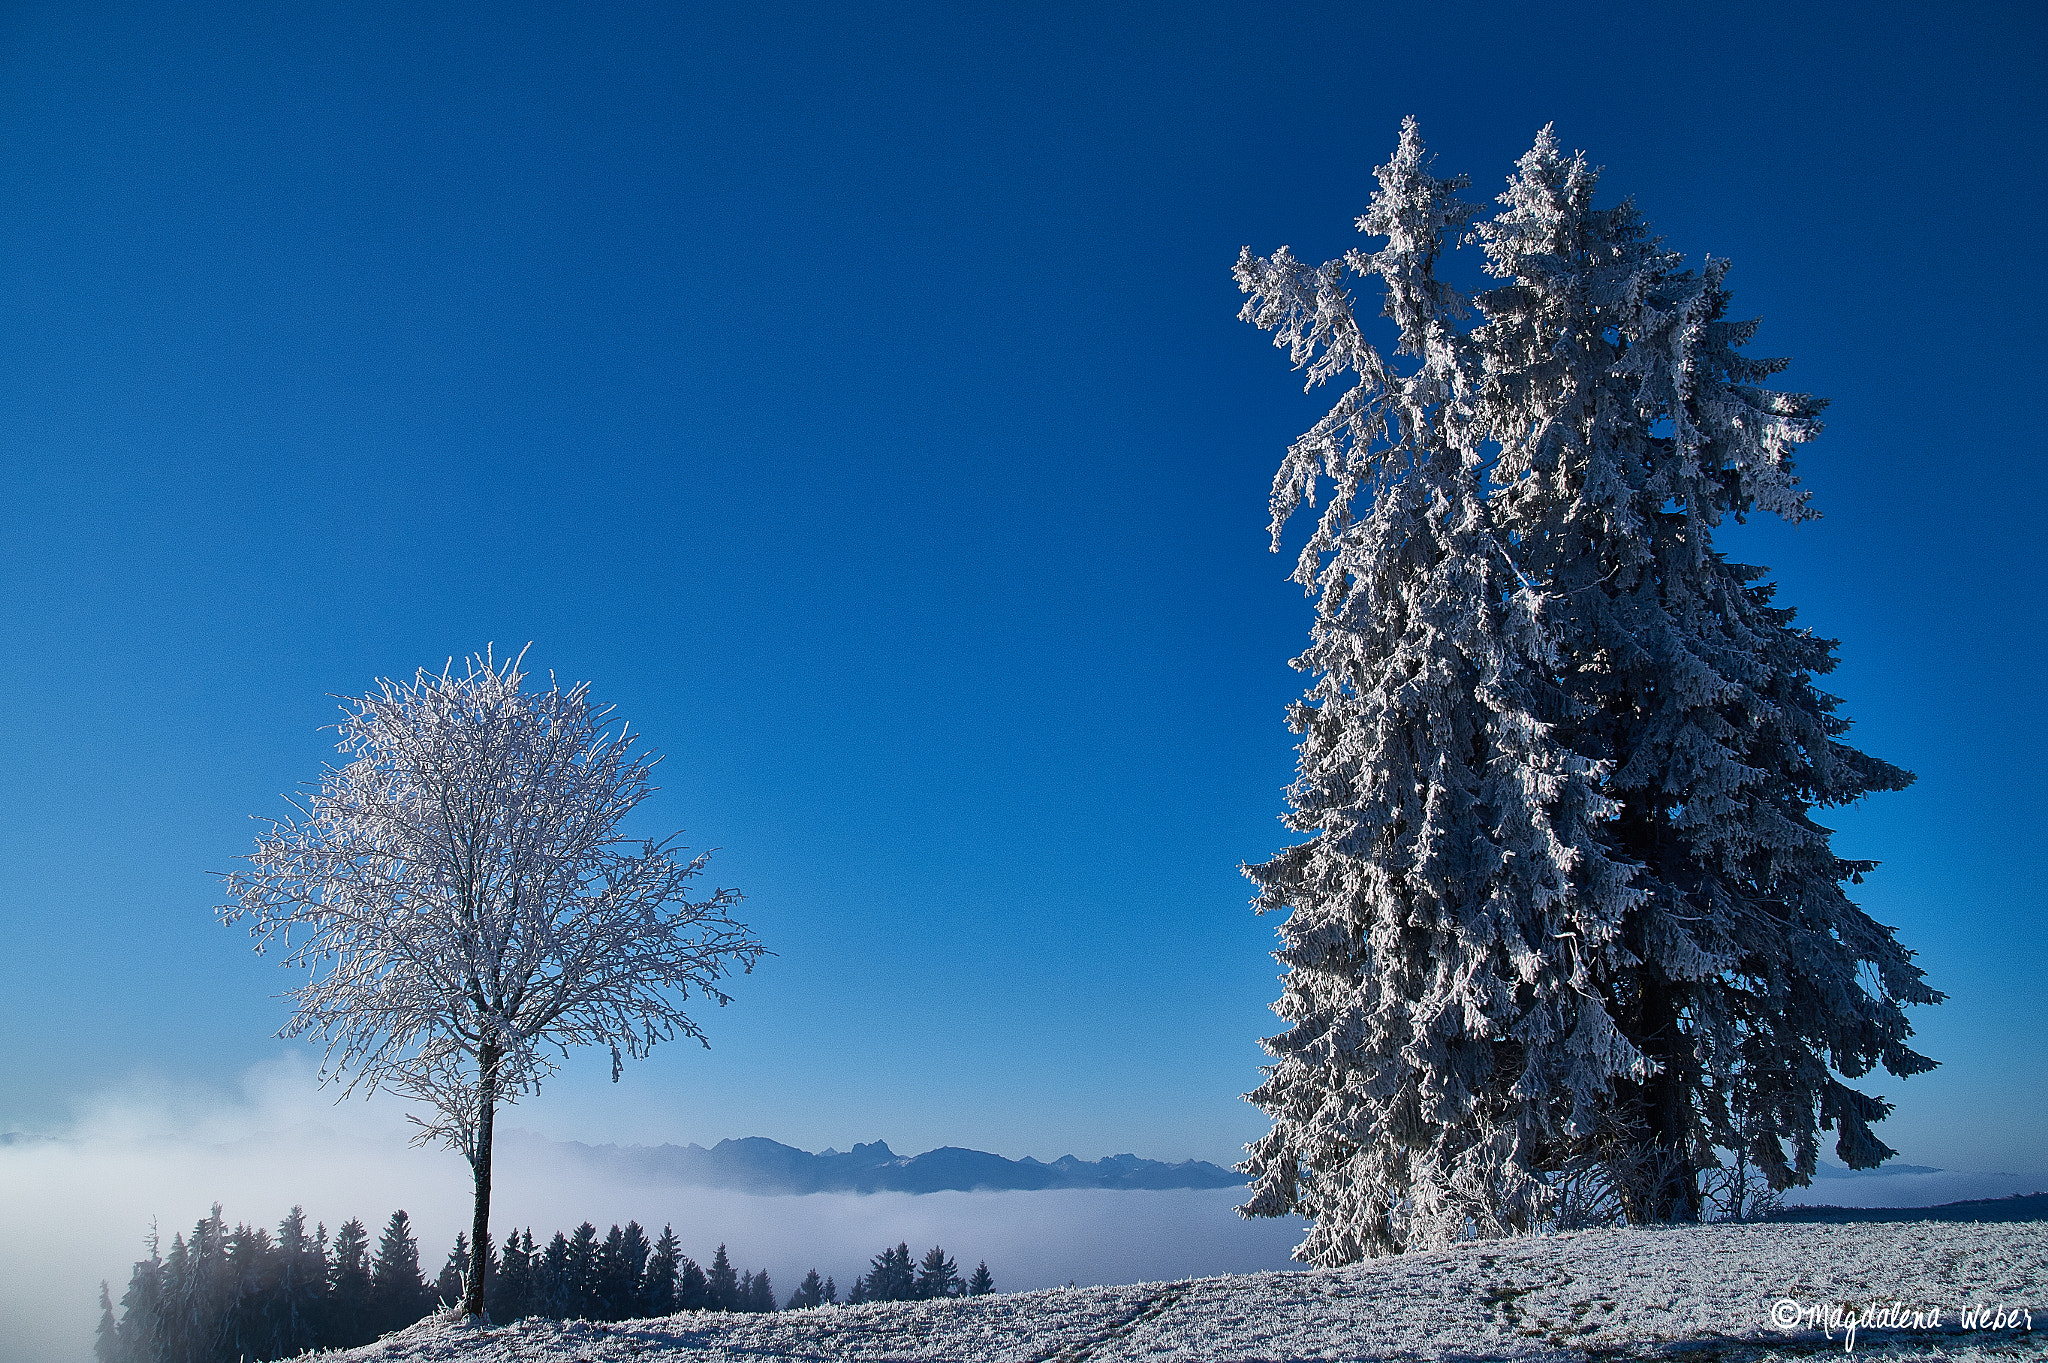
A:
1563	914
466	904
1452	912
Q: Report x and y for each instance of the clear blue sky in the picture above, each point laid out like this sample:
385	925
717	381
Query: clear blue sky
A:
854	395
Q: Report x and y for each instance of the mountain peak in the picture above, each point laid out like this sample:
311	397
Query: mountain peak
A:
757	1164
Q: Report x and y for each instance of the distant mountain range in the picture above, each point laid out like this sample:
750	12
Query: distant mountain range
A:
758	1165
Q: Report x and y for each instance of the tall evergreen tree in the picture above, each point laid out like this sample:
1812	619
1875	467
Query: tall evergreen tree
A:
301	1284
693	1288
398	1294
349	1321
658	1283
177	1328
937	1276
555	1290
448	1284
1438	1031
979	1283
249	1290
511	1294
616	1272
721	1284
760	1293
1630	425
195	1290
579	1284
831	1291
142	1309
610	1289
106	1340
1563	905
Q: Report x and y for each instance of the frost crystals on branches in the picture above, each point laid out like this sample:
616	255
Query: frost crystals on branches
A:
466	905
1452	910
1563	920
1630	424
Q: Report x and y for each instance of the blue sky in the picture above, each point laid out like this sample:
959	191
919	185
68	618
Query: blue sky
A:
854	395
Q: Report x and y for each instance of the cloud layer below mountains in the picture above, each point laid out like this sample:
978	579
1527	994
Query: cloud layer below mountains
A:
80	1205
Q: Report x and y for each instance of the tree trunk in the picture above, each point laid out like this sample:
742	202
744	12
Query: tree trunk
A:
480	1163
1674	1192
1665	1176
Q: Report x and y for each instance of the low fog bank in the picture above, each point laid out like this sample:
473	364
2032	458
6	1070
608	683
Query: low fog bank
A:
1877	1188
79	1206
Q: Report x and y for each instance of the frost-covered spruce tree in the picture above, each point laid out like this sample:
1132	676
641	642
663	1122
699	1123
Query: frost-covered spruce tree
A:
1452	917
1629	425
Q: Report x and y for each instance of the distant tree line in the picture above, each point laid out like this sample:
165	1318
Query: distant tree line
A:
227	1295
890	1277
223	1296
622	1276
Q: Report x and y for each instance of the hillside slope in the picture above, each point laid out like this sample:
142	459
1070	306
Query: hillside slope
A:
1702	1292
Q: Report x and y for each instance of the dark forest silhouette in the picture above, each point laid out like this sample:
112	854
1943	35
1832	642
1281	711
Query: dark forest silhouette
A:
220	1295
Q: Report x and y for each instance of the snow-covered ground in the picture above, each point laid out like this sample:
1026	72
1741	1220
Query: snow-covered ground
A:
1702	1292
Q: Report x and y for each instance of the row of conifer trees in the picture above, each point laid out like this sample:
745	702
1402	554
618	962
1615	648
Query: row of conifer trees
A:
239	1293
224	1294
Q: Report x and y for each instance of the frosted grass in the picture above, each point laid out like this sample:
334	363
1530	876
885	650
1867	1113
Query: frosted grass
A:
1699	1292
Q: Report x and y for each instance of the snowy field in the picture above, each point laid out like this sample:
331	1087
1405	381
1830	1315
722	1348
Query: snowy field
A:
1697	1293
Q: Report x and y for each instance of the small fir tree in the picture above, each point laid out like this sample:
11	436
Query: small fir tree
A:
937	1276
809	1293
721	1284
613	1283
693	1289
658	1284
510	1296
555	1291
142	1308
634	1252
579	1283
890	1276
106	1340
398	1294
979	1283
448	1284
196	1299
348	1289
248	1325
760	1293
301	1284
